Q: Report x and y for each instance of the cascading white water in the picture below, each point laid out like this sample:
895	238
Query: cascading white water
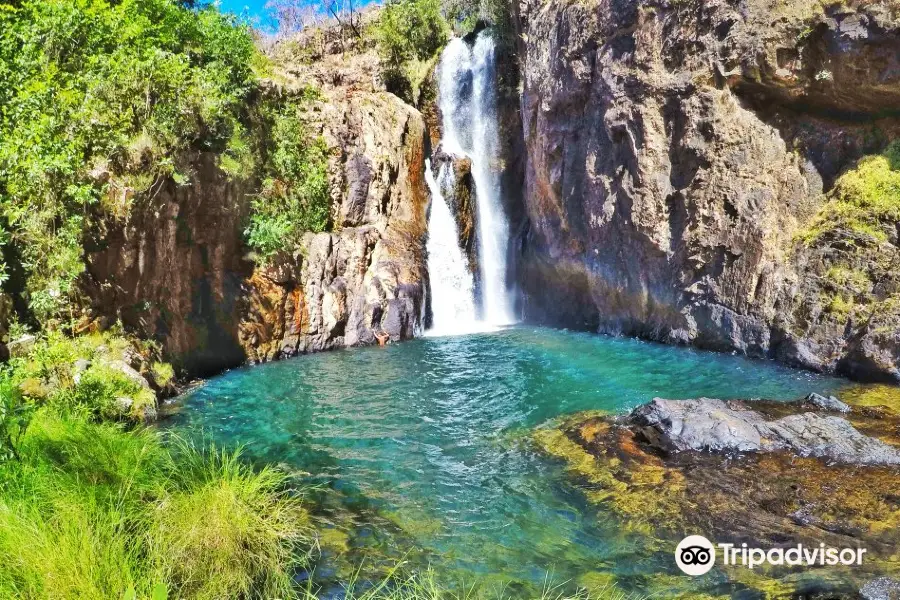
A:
468	102
452	301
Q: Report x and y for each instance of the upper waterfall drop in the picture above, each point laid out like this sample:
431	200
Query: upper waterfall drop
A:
468	103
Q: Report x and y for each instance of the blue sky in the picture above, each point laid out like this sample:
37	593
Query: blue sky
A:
255	8
256	11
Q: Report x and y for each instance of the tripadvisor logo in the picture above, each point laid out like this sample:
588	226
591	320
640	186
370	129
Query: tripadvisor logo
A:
696	555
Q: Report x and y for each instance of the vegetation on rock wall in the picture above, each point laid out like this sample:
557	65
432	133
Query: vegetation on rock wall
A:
853	241
865	200
294	196
102	103
98	103
409	34
465	16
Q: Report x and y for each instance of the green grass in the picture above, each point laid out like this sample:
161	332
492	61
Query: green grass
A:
227	527
94	510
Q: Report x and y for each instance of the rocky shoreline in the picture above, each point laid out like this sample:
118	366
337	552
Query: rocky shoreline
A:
769	474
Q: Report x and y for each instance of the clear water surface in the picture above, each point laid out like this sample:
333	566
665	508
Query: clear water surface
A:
428	434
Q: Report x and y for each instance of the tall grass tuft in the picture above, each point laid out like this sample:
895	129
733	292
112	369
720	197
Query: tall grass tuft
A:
97	511
226	530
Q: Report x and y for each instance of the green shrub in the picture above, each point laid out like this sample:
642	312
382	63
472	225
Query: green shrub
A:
163	373
294	196
109	394
408	32
15	414
464	15
47	375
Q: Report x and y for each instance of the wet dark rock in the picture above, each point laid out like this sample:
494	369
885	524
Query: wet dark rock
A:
704	424
714	425
829	403
832	438
777	497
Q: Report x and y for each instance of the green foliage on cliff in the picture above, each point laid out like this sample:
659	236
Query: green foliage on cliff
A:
294	196
409	33
464	15
864	202
99	100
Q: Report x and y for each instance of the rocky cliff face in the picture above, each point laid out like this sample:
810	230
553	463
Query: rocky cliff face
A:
675	152
175	271
179	272
368	278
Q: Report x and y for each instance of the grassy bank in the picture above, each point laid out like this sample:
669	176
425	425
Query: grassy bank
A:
93	510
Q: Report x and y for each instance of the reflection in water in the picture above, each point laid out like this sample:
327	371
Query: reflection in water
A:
425	434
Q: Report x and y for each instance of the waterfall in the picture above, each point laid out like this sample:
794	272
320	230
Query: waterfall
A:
452	301
468	103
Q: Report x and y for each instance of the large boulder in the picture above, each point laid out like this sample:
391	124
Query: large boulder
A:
714	425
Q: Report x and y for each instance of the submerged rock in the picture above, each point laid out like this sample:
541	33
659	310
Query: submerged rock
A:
708	424
829	403
769	474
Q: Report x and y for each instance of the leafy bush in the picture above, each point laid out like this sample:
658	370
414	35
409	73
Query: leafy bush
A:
99	388
464	15
294	196
15	415
163	373
98	101
408	32
108	394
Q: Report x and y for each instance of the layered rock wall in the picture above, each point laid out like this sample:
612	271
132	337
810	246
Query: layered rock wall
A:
179	272
675	149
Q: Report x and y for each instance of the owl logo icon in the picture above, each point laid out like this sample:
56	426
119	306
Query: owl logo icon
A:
695	555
